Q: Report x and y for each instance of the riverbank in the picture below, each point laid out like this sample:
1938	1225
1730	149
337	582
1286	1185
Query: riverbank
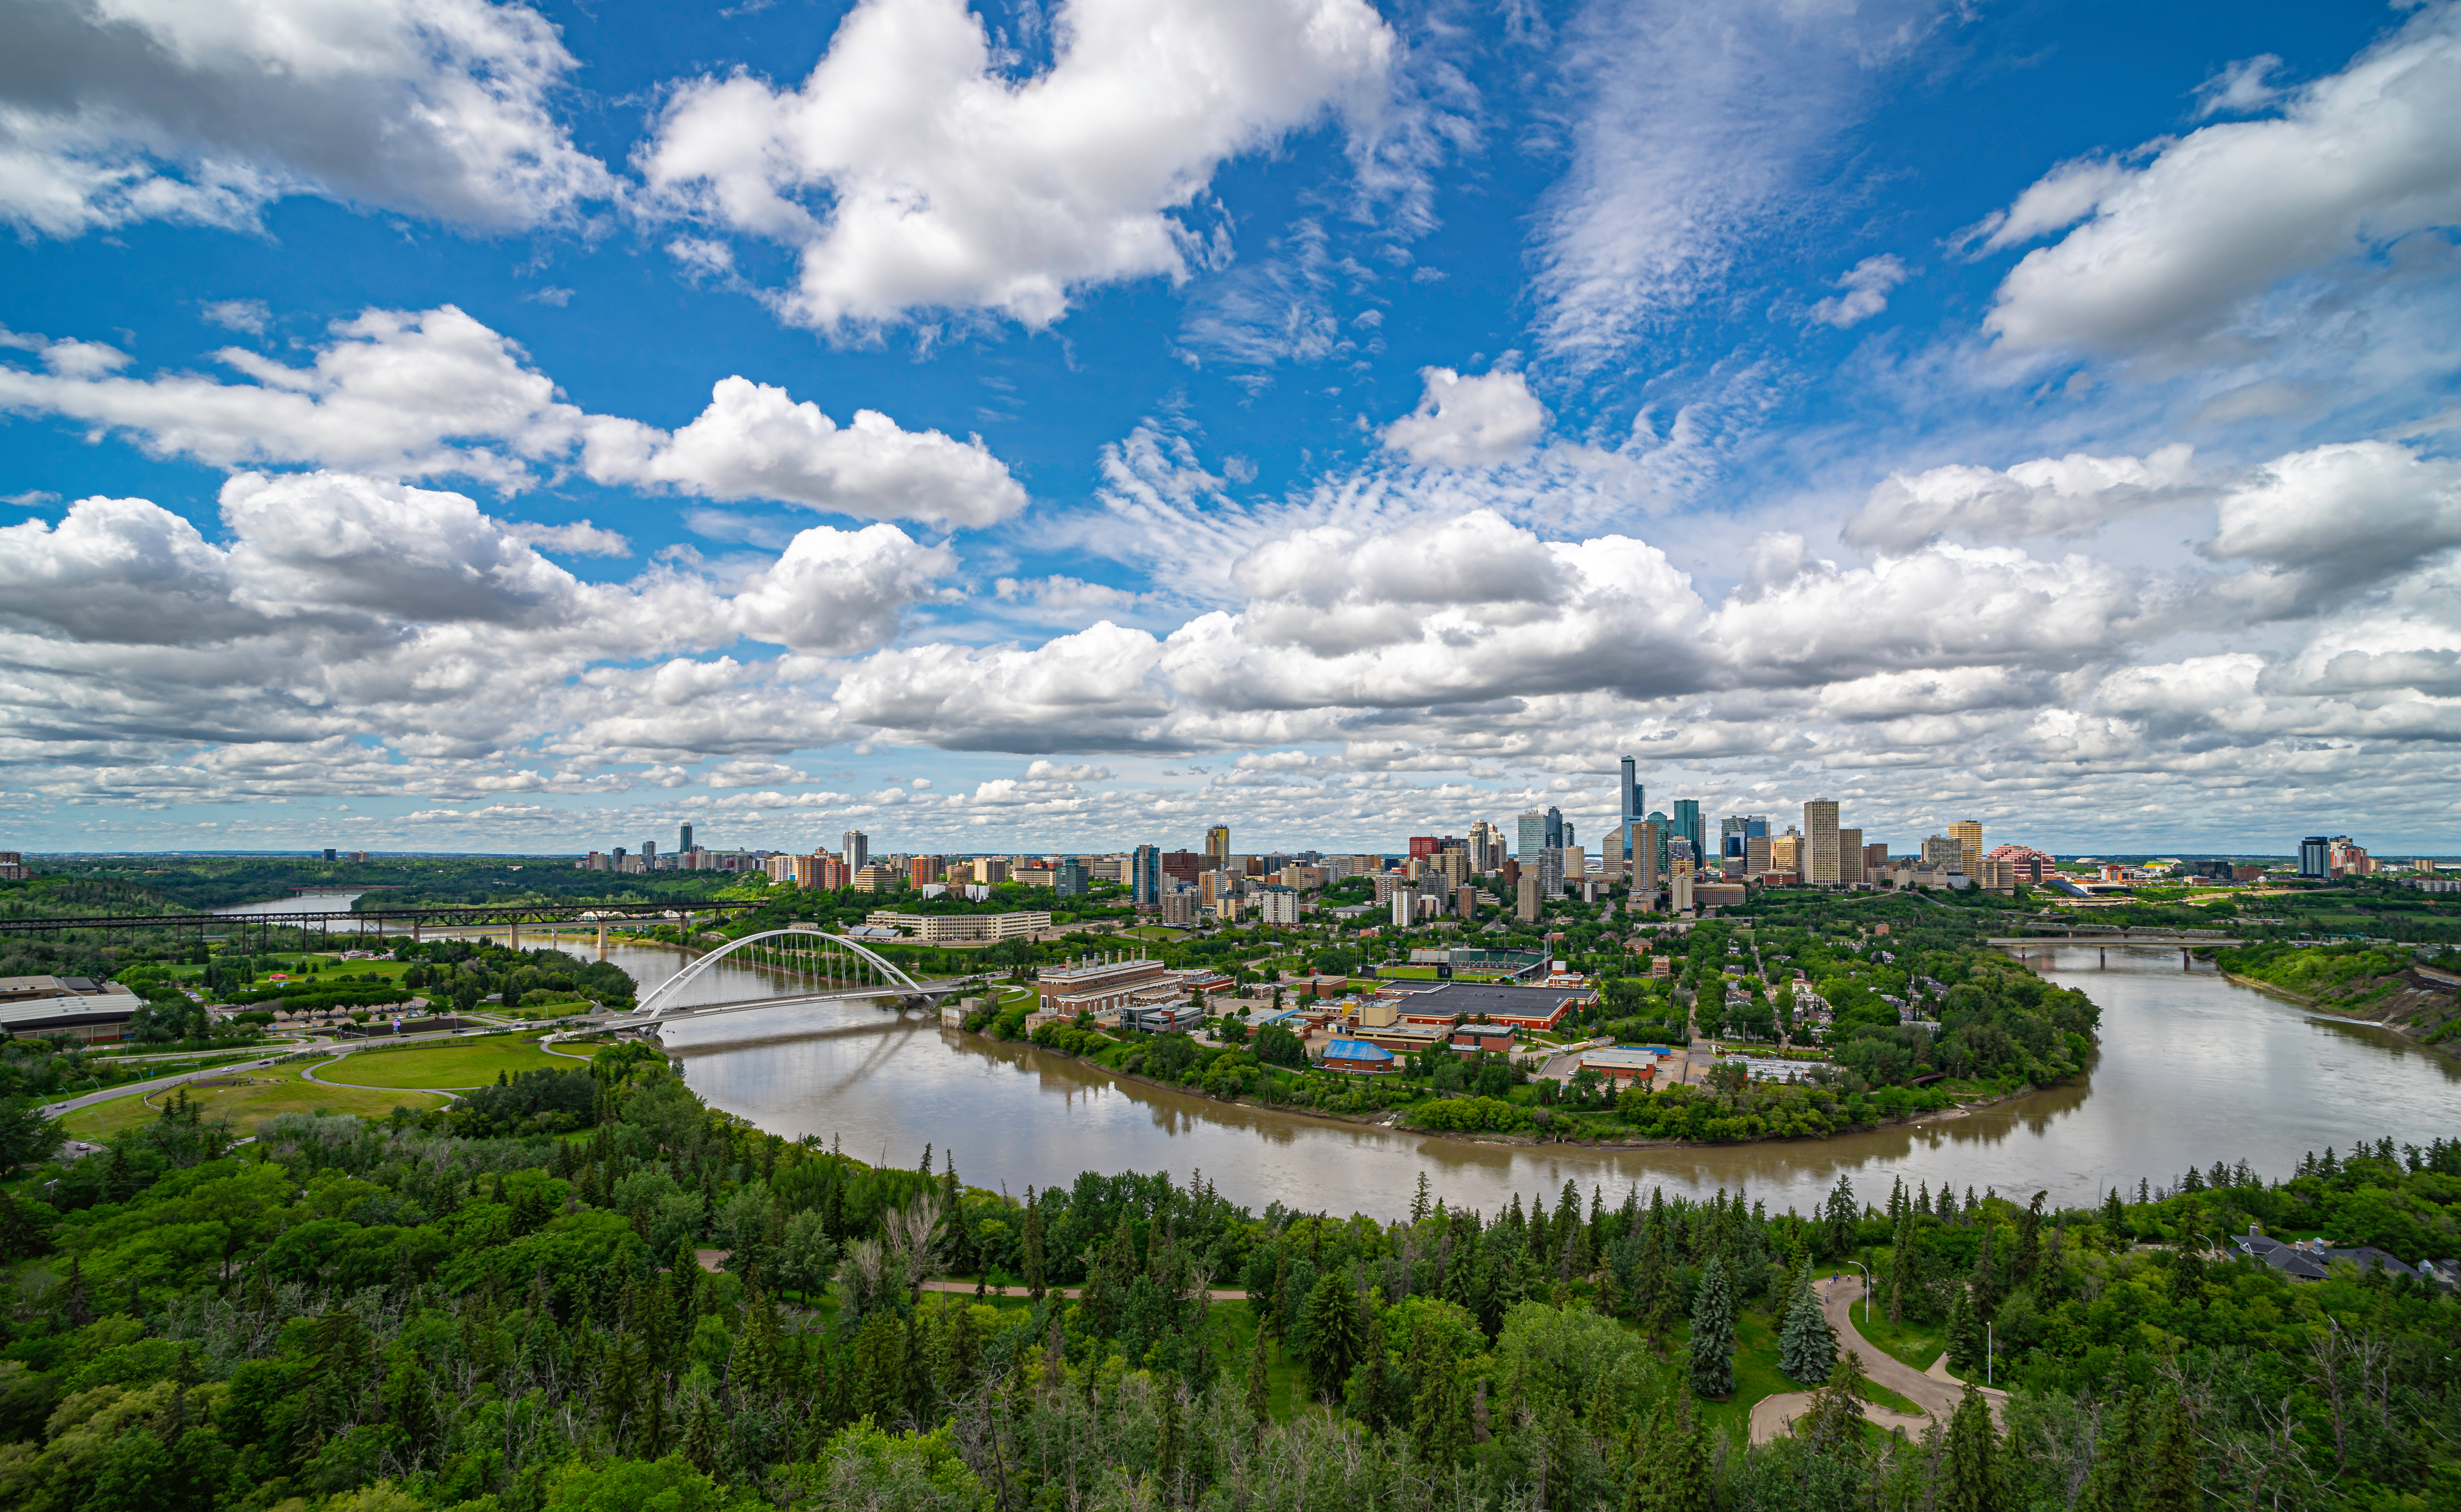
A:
1390	1120
2400	1012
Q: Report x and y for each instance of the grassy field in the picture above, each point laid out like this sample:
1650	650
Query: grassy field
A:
1154	932
1916	1344
264	1092
465	1063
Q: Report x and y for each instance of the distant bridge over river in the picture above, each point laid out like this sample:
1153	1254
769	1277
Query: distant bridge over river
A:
384	924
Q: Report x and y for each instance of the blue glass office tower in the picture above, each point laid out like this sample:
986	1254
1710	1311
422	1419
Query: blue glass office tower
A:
1627	805
1687	824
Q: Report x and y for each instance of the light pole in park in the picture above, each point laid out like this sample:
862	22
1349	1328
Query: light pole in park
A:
1870	1284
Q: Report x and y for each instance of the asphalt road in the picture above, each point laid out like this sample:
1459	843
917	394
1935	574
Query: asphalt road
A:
1934	1391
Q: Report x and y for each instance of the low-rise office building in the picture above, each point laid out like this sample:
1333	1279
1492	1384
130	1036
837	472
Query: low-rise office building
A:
961	929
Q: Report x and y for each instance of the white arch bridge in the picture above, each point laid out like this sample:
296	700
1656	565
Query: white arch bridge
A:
804	965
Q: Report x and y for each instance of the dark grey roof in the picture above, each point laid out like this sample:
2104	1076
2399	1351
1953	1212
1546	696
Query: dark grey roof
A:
1484	997
2309	1264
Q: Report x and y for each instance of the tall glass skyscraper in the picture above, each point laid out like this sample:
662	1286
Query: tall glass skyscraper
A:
1628	808
1144	877
1687	824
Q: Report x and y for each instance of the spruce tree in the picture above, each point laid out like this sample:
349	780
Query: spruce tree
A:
1986	1274
2111	1484
1168	1452
1973	1478
1965	1333
2169	1473
1807	1348
1833	1424
1650	1454
1686	1486
1030	1247
703	1437
1713	1333
1383	1400
1334	1336
1260	1390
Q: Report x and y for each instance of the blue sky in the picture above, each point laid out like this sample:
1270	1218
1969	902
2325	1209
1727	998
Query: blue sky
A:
437	426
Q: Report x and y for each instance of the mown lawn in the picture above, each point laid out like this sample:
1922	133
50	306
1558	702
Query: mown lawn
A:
1916	1344
264	1092
461	1065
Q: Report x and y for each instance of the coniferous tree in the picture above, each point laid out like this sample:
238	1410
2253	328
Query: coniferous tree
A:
1260	1392
2169	1473
1686	1486
1713	1335
1807	1346
1169	1447
2111	1486
880	1368
1965	1333
1986	1283
1972	1482
409	1404
1901	1265
704	1437
2030	1240
1030	1247
1383	1399
1832	1423
1334	1336
1650	1455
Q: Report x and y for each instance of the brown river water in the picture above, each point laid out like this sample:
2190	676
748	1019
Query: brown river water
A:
2193	1069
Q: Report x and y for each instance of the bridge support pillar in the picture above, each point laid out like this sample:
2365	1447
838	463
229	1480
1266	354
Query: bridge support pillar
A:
516	926
2105	952
602	939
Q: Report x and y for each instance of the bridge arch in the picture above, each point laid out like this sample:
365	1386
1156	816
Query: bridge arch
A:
661	999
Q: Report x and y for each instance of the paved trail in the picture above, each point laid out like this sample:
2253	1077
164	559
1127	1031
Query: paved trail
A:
1933	1391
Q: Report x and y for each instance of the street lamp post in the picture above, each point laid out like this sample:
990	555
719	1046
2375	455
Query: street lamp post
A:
1870	1284
1988	1346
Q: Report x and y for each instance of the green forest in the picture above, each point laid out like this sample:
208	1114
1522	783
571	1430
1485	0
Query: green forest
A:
584	1289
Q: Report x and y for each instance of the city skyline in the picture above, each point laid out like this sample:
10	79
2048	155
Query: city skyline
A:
608	422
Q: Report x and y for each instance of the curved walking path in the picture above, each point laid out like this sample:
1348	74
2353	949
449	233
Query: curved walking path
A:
1934	1391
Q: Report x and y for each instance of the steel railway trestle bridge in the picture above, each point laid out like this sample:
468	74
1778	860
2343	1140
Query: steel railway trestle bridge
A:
387	923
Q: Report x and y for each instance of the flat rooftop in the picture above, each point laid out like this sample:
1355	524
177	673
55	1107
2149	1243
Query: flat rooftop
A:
1486	997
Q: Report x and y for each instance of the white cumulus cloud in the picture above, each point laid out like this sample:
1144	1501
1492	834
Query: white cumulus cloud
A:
2046	497
2173	248
436	393
1469	422
910	172
116	111
754	442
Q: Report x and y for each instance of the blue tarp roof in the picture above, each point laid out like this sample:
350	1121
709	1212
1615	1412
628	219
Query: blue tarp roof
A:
1356	1049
